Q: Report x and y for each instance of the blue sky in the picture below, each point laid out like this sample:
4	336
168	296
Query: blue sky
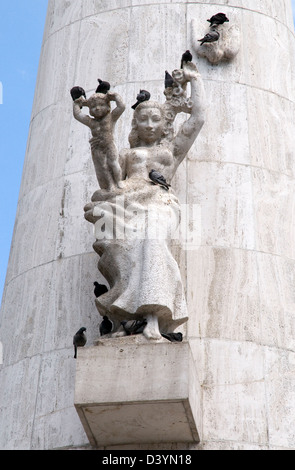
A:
21	32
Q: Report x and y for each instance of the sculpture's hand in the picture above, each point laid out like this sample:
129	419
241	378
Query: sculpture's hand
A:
81	101
112	96
190	71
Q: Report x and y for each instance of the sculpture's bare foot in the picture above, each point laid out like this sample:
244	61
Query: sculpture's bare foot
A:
120	185
151	330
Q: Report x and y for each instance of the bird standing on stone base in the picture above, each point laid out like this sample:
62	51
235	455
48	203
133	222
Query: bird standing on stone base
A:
133	327
79	340
173	337
106	326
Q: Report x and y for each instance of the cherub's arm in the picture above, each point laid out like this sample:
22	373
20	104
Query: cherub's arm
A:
119	109
87	120
191	128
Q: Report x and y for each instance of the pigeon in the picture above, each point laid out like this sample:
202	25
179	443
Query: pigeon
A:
103	87
99	289
133	327
168	80
79	340
173	337
157	178
143	95
186	57
105	326
77	92
219	18
212	36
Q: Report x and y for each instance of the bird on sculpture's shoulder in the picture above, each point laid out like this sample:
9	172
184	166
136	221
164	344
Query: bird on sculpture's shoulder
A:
219	18
173	337
99	289
212	36
142	96
79	340
76	92
186	57
157	178
106	326
103	86
133	327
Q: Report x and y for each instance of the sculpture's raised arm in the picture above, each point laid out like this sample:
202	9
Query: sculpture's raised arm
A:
120	106
189	131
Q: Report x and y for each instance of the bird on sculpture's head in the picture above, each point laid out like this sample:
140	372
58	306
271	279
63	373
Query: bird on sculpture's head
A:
103	86
79	340
219	18
142	96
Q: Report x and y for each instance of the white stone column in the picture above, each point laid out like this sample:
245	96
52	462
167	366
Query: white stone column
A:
240	172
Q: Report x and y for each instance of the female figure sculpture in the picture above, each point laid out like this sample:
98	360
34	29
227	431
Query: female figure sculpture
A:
135	223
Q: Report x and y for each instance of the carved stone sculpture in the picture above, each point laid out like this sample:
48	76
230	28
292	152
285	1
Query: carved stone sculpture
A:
104	151
135	220
220	42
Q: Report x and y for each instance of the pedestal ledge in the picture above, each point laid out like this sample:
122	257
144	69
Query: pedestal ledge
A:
131	391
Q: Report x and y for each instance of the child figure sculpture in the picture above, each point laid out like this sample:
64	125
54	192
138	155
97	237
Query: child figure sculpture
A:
103	149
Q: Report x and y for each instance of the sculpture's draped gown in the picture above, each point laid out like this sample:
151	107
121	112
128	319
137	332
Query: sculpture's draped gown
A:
134	229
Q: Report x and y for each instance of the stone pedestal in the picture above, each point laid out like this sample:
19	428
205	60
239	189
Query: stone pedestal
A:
133	391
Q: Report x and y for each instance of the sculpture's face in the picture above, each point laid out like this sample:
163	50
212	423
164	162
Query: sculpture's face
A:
99	108
149	125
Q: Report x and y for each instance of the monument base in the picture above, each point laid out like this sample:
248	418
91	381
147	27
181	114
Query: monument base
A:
132	390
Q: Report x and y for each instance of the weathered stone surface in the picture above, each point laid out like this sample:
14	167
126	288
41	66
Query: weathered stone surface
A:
162	405
239	280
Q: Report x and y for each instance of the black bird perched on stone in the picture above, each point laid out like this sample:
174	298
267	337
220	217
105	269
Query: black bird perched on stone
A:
157	178
143	95
173	337
168	80
219	18
212	36
133	327
103	86
77	92
99	289
186	57
105	326
79	340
